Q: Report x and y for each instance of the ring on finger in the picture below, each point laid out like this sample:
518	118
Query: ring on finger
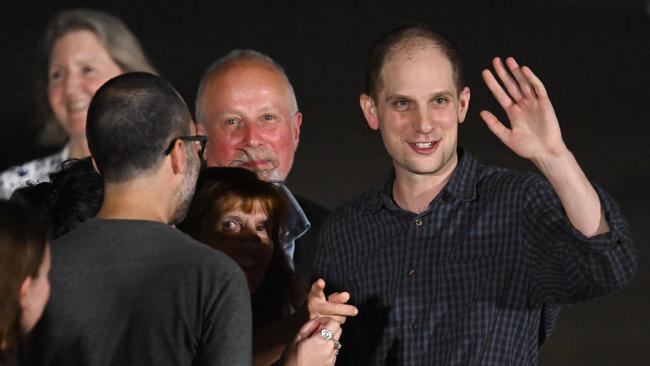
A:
326	334
337	345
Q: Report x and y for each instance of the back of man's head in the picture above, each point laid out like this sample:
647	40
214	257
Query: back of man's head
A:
131	120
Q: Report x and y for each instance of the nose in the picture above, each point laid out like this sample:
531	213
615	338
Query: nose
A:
251	134
424	120
250	241
71	82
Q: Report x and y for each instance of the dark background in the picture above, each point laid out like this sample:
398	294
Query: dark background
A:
593	57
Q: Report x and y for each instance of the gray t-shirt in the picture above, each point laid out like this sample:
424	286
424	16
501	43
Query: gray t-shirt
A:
127	292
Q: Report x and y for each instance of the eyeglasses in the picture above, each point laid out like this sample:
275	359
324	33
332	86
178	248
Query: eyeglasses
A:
200	138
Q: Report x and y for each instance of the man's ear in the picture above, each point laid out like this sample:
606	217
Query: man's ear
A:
177	156
200	129
369	110
463	104
24	292
296	122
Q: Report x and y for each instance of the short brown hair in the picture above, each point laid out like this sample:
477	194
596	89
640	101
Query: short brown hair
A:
381	49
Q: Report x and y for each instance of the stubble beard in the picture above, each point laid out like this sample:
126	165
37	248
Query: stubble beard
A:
185	192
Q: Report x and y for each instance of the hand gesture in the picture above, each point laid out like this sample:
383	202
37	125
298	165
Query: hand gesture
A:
311	347
534	131
334	306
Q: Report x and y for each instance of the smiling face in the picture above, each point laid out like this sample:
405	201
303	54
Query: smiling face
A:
79	65
418	110
246	238
250	120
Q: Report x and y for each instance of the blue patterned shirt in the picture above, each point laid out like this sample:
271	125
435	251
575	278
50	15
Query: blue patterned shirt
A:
476	279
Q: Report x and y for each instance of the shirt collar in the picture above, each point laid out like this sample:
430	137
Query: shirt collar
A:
297	224
461	185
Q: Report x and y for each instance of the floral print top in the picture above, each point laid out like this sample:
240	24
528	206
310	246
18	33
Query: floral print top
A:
34	171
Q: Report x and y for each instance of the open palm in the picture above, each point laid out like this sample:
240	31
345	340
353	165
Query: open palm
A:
534	129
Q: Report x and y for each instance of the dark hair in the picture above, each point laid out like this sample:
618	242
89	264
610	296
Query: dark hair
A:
217	188
73	194
120	44
131	120
381	49
23	240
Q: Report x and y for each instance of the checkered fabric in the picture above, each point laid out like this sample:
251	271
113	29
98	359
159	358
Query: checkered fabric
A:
476	279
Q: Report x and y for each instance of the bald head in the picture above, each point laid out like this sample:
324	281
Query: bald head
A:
249	111
244	59
404	39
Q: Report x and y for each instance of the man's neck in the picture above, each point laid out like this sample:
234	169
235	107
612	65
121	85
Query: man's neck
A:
134	201
413	192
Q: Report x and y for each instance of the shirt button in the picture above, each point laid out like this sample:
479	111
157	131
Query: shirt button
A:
412	273
413	327
418	222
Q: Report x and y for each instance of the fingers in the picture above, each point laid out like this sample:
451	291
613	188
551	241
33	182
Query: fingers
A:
501	96
334	306
519	82
497	128
333	309
317	289
524	85
308	329
333	325
539	88
512	85
339	297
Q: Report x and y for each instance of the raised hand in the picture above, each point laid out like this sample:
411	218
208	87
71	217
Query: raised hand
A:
534	131
534	134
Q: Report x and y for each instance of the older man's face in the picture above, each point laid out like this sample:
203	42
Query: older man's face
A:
249	120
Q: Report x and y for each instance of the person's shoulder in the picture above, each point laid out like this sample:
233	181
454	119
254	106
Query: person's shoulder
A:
34	171
200	254
366	202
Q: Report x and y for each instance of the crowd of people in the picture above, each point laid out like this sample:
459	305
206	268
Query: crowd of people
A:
174	240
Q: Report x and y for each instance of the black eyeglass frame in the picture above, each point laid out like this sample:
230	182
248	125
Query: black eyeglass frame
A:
200	138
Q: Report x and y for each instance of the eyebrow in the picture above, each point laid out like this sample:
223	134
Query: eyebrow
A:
446	93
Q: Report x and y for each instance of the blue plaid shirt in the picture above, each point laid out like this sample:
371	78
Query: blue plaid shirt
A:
476	279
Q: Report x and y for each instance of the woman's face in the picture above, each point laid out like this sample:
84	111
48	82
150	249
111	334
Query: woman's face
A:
34	294
246	238
79	65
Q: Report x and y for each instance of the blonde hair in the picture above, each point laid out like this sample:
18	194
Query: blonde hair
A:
122	46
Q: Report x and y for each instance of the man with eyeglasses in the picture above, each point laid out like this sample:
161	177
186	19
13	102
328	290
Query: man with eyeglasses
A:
127	287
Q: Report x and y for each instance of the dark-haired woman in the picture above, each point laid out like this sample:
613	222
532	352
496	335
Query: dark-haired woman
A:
24	269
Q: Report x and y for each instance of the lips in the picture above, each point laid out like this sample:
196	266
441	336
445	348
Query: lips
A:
424	147
77	105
